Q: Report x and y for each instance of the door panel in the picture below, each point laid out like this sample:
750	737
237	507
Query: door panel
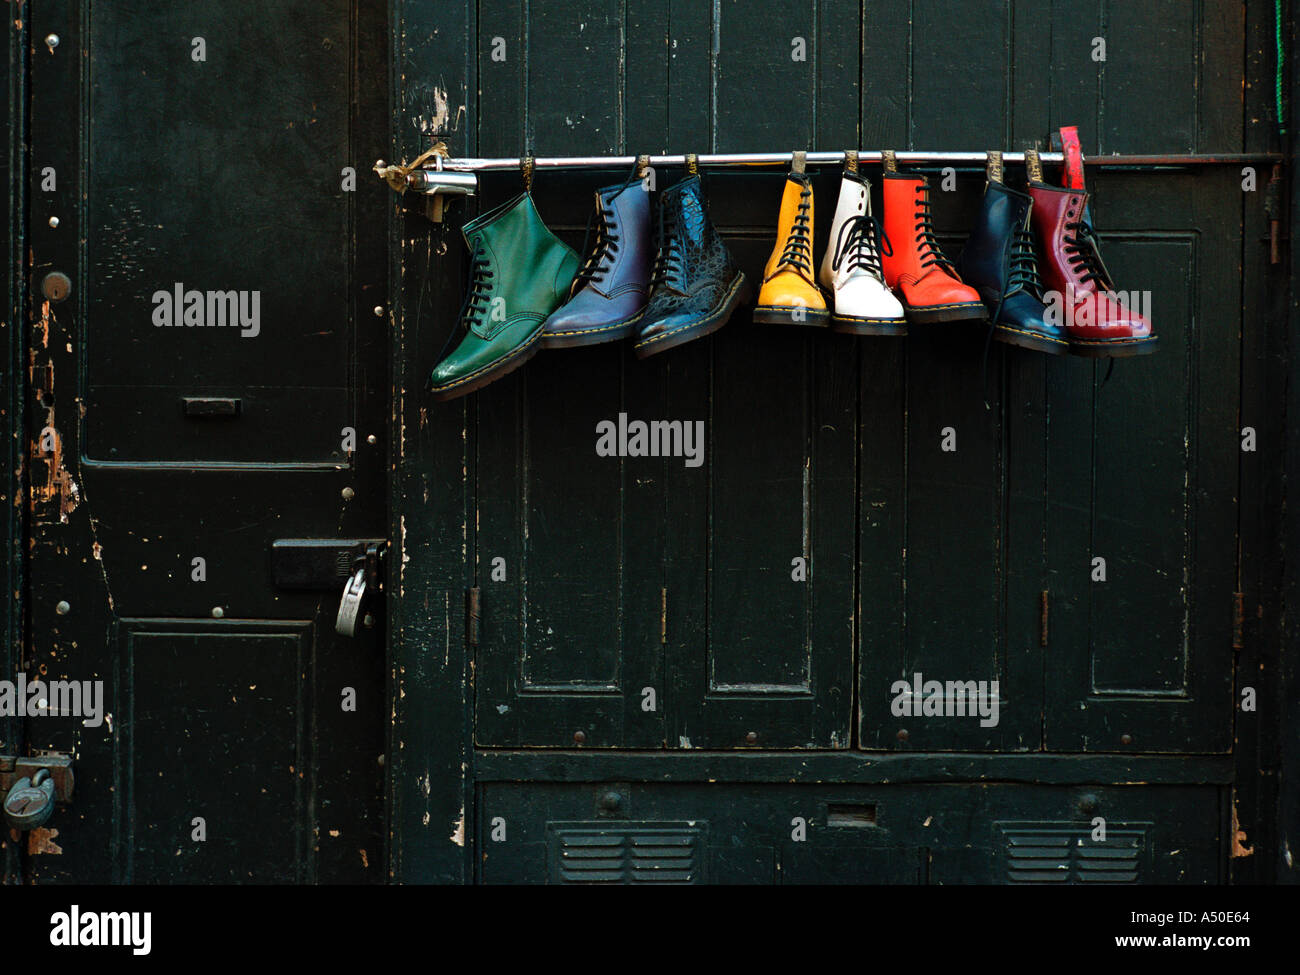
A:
151	523
1142	473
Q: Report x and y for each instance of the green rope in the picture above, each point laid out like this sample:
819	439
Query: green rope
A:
1281	104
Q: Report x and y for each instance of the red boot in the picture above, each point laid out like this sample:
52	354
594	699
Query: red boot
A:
915	267
1097	322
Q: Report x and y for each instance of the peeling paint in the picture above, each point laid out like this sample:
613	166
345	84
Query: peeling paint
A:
42	841
458	832
1239	843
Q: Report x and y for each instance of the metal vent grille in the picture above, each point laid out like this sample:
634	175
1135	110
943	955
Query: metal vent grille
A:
1068	855
627	854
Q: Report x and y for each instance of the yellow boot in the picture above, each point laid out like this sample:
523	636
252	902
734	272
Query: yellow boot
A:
790	295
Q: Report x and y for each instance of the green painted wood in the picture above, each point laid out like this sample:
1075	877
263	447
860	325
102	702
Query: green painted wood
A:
12	422
826	766
153	489
939	834
1257	736
949	589
1113	451
428	755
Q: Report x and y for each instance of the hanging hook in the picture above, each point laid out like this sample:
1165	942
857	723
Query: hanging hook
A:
799	161
851	161
526	168
1034	165
692	164
993	166
889	161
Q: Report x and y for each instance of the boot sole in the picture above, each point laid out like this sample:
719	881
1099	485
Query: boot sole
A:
489	374
868	326
784	315
591	336
1029	340
970	311
738	295
1113	348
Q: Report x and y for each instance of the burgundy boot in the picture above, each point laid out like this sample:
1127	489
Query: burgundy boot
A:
1097	322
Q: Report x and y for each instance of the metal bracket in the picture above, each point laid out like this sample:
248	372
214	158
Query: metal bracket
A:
13	768
324	563
438	184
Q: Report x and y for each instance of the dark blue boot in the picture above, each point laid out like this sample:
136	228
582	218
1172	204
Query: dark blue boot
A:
999	261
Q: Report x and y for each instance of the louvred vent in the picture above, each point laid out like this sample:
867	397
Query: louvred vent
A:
627	854
1069	855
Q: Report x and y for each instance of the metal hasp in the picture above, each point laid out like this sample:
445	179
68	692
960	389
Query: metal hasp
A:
31	786
351	564
438	184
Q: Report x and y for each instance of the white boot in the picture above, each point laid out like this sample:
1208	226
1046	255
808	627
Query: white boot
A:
851	270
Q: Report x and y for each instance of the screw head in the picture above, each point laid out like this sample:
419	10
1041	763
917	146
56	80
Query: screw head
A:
368	621
348	494
1126	739
902	734
218	613
372	439
751	737
579	737
51	41
379	311
63	608
610	801
54	221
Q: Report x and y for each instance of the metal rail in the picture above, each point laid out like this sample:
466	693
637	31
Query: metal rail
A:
829	158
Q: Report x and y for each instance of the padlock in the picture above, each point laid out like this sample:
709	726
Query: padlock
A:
31	801
350	606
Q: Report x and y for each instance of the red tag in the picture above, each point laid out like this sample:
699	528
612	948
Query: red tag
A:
1073	170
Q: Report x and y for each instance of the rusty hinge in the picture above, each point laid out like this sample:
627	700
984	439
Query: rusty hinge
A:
1238	620
663	614
1042	618
472	611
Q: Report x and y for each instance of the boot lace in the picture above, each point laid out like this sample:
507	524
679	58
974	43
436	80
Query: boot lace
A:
478	288
1023	272
605	249
669	260
861	242
930	251
594	268
1084	253
798	245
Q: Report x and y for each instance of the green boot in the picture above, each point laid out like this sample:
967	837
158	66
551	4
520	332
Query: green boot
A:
520	273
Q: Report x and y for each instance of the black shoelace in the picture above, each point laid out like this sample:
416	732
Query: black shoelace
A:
480	282
600	258
1023	271
931	253
798	245
1022	275
476	299
862	241
669	259
1084	253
